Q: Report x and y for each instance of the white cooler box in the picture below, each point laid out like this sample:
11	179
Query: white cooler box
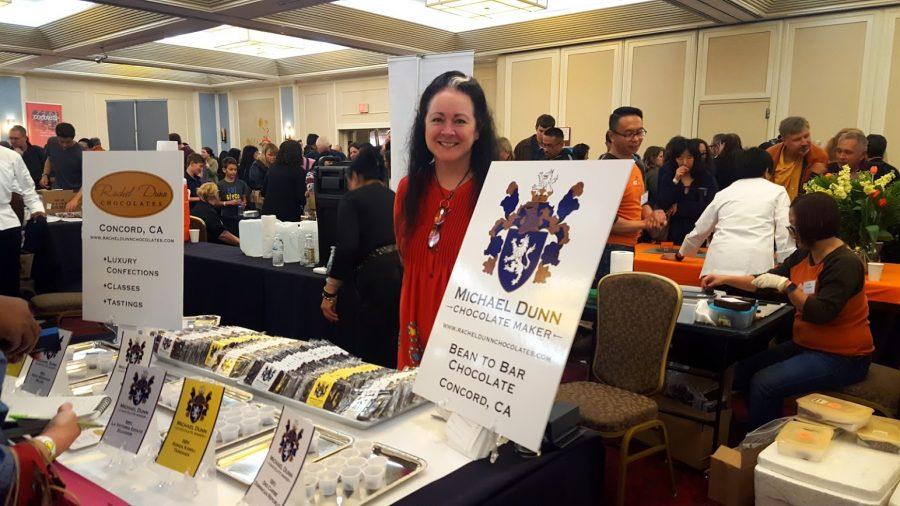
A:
849	474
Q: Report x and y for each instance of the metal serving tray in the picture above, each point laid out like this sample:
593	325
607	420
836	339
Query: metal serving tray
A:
85	387
401	467
287	401
241	460
232	395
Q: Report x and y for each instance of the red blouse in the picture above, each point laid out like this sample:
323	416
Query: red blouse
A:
427	271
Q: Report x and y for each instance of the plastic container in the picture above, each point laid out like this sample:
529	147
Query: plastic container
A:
328	483
309	487
357	462
350	477
314	444
374	476
229	432
277	251
880	434
249	426
838	412
721	312
312	468
364	447
803	440
378	460
106	363
310	227
336	462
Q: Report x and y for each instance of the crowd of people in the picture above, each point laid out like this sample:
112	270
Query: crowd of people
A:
748	205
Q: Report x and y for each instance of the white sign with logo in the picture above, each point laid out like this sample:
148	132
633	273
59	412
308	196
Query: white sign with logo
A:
281	468
133	236
134	409
135	348
505	325
44	370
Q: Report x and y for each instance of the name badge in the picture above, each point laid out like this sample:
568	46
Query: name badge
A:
809	287
645	197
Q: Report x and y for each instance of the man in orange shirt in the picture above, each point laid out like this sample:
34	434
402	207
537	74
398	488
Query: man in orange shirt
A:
796	157
626	133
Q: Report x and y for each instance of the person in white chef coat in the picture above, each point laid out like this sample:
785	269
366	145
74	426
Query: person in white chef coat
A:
748	222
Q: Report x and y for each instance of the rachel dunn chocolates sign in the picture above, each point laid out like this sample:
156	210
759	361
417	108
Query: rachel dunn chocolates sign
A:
133	258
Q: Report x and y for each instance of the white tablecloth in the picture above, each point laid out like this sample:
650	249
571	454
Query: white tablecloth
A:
415	432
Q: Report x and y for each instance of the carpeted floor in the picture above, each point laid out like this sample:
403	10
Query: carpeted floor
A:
648	482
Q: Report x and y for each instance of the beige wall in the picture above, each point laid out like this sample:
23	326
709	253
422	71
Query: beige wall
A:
826	72
588	92
892	111
737	64
658	86
84	103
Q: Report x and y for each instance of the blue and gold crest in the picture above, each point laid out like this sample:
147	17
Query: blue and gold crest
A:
290	442
198	406
529	238
135	351
140	388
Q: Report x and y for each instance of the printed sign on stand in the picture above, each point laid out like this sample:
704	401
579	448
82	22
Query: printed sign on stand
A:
281	468
511	308
135	348
43	372
192	426
134	409
41	121
133	258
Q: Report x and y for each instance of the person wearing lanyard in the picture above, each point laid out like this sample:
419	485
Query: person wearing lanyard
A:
746	220
832	343
367	252
14	178
452	146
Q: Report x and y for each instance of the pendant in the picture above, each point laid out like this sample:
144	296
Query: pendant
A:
433	237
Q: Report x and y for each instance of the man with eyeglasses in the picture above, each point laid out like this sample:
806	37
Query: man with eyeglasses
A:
626	133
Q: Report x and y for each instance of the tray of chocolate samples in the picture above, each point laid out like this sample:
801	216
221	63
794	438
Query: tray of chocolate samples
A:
242	459
313	376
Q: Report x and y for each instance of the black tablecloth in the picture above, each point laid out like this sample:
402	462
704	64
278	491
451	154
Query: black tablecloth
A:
57	256
571	476
251	292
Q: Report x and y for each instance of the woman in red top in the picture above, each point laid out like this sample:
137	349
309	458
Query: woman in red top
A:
452	145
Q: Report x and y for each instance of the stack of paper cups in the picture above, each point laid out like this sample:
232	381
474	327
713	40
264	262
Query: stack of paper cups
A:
621	261
268	234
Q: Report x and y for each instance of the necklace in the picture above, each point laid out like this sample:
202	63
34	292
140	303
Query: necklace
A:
434	237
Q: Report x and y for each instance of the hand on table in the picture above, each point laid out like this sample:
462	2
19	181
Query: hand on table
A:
18	330
45	181
711	281
72	205
771	281
670	257
63	429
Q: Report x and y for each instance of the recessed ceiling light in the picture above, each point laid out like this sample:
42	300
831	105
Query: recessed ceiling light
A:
231	39
464	15
39	12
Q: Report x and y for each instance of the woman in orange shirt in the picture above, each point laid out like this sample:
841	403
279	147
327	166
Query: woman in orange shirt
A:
452	146
832	344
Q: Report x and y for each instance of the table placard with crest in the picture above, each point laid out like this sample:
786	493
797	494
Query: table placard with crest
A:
511	308
191	431
135	348
284	460
135	406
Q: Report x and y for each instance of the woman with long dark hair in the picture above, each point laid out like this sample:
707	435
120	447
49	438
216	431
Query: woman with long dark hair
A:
366	252
248	156
686	186
725	148
452	145
285	183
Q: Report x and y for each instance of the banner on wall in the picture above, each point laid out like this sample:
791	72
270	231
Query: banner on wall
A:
41	120
408	76
133	243
517	291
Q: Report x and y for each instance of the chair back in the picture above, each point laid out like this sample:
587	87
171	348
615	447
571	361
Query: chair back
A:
636	316
200	225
